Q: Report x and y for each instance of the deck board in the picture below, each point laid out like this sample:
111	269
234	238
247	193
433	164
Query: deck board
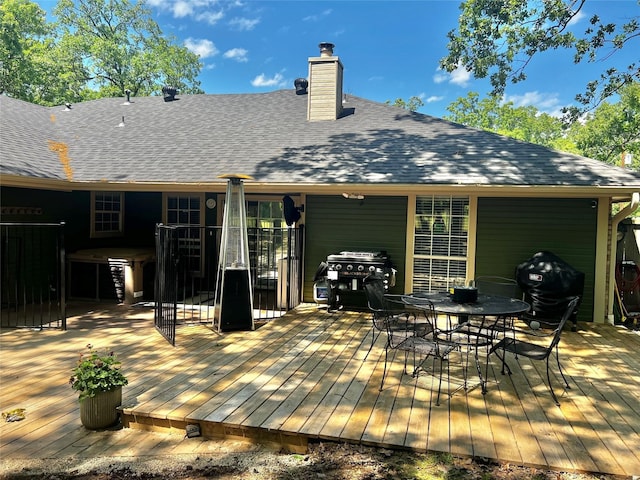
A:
313	375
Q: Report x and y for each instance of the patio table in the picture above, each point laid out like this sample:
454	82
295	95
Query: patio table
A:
490	309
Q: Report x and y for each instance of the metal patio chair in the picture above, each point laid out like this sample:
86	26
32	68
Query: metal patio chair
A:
406	330
536	351
483	332
496	285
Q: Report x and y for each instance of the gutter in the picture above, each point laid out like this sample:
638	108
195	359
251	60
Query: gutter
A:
615	221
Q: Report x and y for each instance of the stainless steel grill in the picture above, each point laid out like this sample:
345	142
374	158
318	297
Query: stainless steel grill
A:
357	265
345	272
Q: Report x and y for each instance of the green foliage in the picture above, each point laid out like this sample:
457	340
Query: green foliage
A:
612	130
607	134
413	104
499	38
25	45
96	373
96	48
523	123
118	46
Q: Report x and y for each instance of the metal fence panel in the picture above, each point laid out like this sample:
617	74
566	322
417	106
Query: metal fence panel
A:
32	270
189	283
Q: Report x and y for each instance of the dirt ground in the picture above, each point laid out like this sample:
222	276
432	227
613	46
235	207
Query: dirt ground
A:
325	461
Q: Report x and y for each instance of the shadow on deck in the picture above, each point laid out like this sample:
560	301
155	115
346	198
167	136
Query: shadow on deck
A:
310	375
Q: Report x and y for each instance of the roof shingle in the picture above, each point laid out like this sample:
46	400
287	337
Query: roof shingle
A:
196	138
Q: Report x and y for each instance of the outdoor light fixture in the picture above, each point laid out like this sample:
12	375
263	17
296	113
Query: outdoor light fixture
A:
353	196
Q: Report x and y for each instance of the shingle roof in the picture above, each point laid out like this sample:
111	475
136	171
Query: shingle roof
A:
196	138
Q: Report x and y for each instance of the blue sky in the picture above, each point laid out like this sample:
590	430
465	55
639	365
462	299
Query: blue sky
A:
389	49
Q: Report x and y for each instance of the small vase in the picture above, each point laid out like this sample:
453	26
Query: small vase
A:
100	411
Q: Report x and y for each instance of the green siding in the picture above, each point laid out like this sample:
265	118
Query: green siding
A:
334	224
511	230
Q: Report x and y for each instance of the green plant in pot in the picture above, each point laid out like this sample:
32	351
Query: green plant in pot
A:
99	380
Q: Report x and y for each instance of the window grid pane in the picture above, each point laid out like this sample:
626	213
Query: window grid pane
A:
265	248
108	212
440	242
185	210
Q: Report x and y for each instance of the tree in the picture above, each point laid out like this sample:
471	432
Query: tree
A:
523	123
612	131
24	46
97	48
118	47
498	38
413	104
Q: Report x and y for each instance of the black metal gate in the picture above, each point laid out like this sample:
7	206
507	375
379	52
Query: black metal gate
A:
186	268
32	264
166	291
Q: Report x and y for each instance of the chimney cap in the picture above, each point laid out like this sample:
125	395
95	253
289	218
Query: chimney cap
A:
326	49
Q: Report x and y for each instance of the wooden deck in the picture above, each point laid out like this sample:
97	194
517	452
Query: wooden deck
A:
311	375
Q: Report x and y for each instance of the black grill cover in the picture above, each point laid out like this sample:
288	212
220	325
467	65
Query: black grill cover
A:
548	283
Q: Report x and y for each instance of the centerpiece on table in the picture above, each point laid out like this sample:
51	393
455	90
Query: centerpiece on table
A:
99	380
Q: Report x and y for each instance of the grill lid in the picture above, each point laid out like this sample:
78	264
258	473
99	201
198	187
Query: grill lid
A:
360	257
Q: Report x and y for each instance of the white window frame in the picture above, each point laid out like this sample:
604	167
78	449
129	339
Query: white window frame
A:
422	263
98	232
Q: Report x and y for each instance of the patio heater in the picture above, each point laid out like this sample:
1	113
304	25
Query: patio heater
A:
233	283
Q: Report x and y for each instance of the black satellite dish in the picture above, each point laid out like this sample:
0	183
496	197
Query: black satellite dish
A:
291	212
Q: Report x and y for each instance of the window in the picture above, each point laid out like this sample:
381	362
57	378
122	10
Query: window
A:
267	244
186	210
441	238
107	214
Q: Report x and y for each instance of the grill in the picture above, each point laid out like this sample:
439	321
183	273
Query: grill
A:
548	283
357	265
346	270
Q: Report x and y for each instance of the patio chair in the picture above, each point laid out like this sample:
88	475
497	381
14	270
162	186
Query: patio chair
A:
406	330
496	285
536	351
437	345
385	308
503	286
483	332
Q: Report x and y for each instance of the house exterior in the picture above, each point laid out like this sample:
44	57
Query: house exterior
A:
368	177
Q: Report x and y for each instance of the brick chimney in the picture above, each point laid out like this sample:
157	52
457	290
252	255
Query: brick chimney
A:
325	85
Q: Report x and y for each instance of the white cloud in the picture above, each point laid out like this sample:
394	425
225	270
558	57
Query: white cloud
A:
244	24
434	98
460	76
317	17
545	102
262	81
182	9
237	54
210	17
197	9
578	18
440	77
202	47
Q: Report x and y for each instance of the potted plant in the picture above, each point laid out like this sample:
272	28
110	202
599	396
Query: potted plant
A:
99	380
